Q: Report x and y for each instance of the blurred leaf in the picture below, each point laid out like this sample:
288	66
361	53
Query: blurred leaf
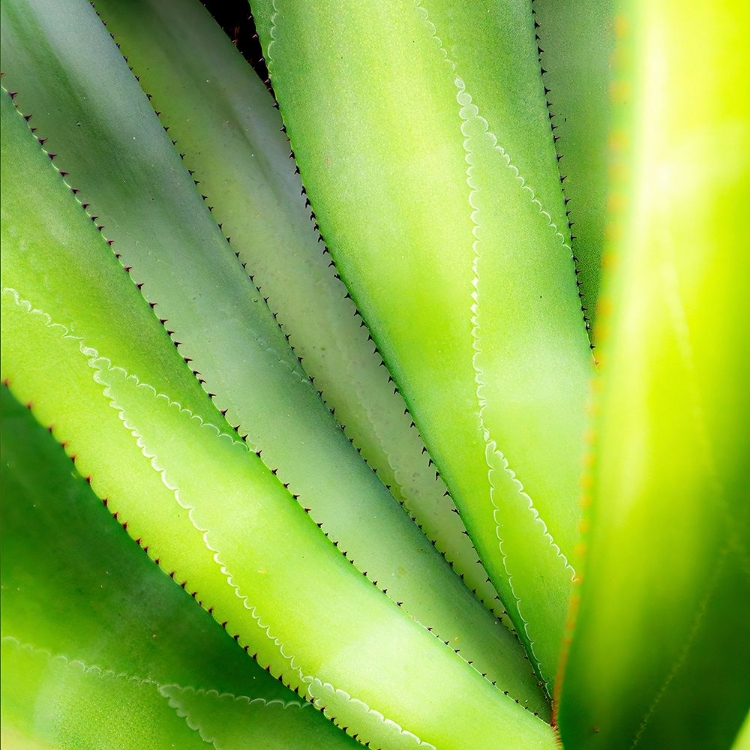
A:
742	741
660	654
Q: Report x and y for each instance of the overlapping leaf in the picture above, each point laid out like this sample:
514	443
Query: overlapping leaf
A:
164	234
427	122
209	510
576	44
97	642
214	105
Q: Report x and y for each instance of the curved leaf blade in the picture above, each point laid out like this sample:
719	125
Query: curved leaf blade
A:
165	236
576	43
214	105
410	142
75	586
660	652
314	620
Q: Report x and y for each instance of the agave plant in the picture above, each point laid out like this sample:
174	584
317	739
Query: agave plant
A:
331	349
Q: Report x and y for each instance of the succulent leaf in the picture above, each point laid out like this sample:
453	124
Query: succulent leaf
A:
660	652
416	143
576	44
205	504
214	105
164	234
113	638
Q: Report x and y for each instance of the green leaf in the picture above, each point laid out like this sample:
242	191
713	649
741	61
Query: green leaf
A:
75	583
56	702
206	506
660	655
576	42
429	125
165	236
742	741
214	104
231	722
113	639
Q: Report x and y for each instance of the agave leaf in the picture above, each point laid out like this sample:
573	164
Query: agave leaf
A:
575	49
399	116
173	248
74	582
660	654
506	92
214	104
57	702
205	505
113	639
231	722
